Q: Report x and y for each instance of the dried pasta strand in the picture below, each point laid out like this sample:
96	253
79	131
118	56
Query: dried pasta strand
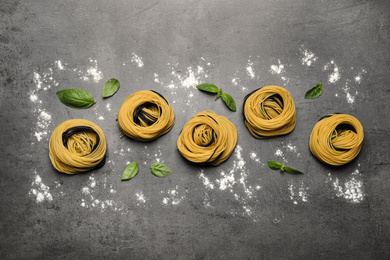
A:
336	139
207	139
77	145
145	116
269	111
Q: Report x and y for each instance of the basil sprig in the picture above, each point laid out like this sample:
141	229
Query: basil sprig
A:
314	92
110	88
211	88
75	98
160	169
283	168
130	171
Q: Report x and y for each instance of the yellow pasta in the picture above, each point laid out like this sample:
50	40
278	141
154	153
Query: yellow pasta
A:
269	111
76	146
336	139
207	139
145	116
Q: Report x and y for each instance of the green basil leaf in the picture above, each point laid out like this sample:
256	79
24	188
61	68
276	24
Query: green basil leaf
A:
292	171
274	165
76	98
110	88
160	169
218	94
130	171
314	92
229	101
208	87
283	168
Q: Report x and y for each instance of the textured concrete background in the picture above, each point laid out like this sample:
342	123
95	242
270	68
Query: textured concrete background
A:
240	209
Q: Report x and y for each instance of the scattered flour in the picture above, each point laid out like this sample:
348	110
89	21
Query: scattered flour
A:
173	197
249	69
40	190
277	69
108	107
350	97
140	198
59	65
89	200
206	181
335	75
279	153
351	190
298	193
308	57
254	157
138	60
93	72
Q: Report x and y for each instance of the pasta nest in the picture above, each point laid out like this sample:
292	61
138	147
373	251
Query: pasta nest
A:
77	145
207	139
145	116
269	111
336	139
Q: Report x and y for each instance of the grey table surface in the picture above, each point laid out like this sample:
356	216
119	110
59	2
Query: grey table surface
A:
238	210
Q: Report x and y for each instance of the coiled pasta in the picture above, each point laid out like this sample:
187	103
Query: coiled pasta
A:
76	146
336	139
145	116
269	111
207	139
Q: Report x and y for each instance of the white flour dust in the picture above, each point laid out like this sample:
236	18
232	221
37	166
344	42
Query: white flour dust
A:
352	188
254	157
40	190
277	69
137	60
140	198
249	69
298	192
173	197
235	182
350	97
335	73
308	57
90	198
279	153
205	180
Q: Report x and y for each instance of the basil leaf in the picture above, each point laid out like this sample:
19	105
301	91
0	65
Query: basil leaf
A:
208	87
314	92
274	165
283	168
110	88
292	171
130	171
76	98
160	169
229	101
218	94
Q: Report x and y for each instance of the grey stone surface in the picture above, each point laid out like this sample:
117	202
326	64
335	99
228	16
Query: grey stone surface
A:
326	213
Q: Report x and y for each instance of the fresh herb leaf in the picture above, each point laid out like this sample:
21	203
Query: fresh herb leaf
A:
283	168
160	169
314	92
229	101
292	171
110	88
208	87
130	171
76	98
218	94
274	165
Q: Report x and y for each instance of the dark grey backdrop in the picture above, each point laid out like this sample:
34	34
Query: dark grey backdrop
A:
238	210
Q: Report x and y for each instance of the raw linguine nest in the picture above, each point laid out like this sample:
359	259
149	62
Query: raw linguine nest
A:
76	146
207	139
145	116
